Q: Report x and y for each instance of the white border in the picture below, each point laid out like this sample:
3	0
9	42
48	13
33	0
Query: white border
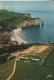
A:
26	0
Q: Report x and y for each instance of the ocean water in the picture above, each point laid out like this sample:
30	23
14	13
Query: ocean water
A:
41	9
42	34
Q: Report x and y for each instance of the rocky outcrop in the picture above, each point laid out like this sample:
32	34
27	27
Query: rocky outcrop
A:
15	37
31	22
26	15
12	38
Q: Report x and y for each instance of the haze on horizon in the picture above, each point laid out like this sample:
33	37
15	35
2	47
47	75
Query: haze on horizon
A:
20	6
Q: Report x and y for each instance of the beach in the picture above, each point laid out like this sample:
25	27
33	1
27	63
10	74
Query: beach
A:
15	36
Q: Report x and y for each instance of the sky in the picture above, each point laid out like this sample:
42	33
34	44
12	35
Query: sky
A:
26	0
33	5
28	5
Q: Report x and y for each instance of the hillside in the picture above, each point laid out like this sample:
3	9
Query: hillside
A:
9	24
10	20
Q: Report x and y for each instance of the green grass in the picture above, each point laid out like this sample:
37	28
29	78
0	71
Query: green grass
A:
10	18
30	58
6	67
50	59
26	71
33	56
31	71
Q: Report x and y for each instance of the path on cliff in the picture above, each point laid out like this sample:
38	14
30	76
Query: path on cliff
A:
12	72
14	68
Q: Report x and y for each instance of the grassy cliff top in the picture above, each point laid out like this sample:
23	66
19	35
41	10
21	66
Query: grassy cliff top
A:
9	20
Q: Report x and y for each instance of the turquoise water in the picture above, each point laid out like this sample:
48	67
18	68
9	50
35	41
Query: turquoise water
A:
42	9
43	34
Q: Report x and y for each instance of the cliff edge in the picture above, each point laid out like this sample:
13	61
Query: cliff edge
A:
10	23
31	22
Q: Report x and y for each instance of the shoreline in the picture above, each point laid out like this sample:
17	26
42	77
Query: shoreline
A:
15	37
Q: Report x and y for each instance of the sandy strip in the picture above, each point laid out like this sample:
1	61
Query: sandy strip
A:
16	36
35	49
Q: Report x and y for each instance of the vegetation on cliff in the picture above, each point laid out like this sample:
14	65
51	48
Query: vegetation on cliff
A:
24	70
9	20
12	20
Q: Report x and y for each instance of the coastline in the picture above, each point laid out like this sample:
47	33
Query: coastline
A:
15	37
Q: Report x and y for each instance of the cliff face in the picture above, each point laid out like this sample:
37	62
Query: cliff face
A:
8	38
32	21
11	37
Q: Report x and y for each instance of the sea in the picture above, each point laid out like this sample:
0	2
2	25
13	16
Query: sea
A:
40	34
